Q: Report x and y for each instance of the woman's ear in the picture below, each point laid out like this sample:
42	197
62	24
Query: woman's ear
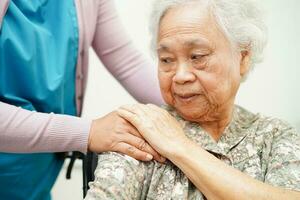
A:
245	62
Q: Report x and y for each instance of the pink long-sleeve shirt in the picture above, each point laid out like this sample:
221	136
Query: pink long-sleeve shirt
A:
99	26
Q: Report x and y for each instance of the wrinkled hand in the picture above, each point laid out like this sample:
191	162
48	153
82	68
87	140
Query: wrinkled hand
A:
162	131
113	133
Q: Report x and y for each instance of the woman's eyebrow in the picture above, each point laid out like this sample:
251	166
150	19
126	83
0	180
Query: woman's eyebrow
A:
197	43
162	48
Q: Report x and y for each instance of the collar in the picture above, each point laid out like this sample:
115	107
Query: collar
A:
240	126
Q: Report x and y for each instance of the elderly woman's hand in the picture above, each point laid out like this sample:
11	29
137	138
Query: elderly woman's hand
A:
162	131
113	133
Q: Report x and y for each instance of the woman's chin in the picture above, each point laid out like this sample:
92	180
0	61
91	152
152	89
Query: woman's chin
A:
189	114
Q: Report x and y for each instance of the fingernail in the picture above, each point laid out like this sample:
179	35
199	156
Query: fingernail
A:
149	157
162	159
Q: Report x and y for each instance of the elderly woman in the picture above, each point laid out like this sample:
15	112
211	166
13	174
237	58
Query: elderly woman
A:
215	149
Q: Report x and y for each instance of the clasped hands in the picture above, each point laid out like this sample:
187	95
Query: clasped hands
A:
144	132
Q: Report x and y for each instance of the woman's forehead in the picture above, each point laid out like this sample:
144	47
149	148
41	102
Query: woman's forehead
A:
188	42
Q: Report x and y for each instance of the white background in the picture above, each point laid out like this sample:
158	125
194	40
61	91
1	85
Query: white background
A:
272	88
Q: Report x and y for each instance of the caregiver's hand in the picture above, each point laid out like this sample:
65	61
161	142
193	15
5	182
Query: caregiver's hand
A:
162	131
113	133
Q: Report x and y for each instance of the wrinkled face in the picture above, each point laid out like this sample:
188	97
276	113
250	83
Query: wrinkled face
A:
199	69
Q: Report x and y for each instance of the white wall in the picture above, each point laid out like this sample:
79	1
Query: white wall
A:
102	87
272	88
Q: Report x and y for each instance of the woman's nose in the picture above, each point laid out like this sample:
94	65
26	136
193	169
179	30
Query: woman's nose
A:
183	75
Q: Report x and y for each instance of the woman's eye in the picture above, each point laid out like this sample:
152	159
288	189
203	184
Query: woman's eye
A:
199	61
197	56
166	60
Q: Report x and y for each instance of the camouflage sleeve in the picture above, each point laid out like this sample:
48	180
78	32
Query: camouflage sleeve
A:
119	177
284	158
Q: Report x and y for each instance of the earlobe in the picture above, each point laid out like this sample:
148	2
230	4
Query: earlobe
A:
245	62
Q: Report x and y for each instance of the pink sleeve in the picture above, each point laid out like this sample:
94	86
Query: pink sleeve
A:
26	131
3	8
122	59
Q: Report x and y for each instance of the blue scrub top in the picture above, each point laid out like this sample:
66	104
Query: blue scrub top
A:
38	53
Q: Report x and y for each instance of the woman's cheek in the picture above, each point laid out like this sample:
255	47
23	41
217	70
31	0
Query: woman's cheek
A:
165	81
208	80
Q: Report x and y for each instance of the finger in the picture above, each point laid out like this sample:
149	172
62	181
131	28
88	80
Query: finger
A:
143	146
129	108
131	129
152	114
129	116
133	152
157	109
137	109
154	107
133	120
137	120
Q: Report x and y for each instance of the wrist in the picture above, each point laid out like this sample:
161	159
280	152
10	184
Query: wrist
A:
180	150
91	132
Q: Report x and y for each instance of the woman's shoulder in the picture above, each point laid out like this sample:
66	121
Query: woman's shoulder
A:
118	176
124	177
113	164
268	125
119	169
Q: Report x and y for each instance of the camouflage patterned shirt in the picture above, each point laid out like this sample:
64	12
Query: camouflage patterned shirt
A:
265	148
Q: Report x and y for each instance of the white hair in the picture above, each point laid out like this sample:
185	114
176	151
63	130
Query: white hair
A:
240	20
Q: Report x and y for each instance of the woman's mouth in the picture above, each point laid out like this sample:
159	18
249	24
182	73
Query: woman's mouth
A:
186	98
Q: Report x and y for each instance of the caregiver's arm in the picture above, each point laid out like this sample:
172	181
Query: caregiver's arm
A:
26	131
212	177
23	131
118	54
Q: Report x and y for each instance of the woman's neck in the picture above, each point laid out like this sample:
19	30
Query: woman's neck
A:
216	127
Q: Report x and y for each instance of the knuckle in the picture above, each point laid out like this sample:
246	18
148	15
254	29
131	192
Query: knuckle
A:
122	128
114	138
131	150
118	130
122	121
142	145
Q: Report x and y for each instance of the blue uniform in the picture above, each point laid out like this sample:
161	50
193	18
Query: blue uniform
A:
38	54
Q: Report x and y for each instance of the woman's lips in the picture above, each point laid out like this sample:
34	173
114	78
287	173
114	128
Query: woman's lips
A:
186	98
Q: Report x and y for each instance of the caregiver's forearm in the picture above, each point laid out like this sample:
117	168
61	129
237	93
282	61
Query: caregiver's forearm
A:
217	180
23	131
